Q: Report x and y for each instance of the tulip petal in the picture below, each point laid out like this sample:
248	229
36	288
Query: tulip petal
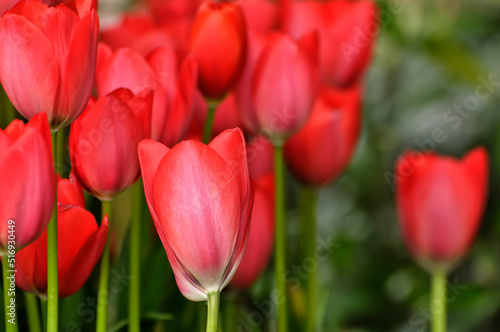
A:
28	70
87	256
196	197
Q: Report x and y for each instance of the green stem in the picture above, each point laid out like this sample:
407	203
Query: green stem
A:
33	312
310	197
102	294
207	131
280	239
52	270
9	295
438	301
134	299
43	305
213	311
60	152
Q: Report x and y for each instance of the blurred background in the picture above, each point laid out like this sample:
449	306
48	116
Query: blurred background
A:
430	59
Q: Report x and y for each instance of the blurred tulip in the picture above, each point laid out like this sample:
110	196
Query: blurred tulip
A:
441	201
27	177
323	148
174	83
285	85
257	43
261	236
200	197
79	246
226	116
260	156
260	15
218	41
48	60
140	32
347	30
103	141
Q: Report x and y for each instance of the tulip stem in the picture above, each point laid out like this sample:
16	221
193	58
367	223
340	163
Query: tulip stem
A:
438	301
207	131
134	298
213	311
9	295
310	197
52	270
43	305
102	294
33	312
280	239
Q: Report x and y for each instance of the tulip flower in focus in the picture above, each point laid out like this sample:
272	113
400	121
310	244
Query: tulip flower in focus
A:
48	60
284	85
173	80
78	6
347	30
218	41
103	141
27	177
441	201
80	243
200	198
322	149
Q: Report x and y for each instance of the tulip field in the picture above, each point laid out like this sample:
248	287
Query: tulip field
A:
250	165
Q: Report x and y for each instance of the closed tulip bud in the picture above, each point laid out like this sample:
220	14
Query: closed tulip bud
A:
347	30
48	60
28	182
103	141
323	148
200	197
79	246
218	41
261	237
173	80
285	85
440	202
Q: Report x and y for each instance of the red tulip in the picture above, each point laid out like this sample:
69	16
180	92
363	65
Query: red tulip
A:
27	177
323	148
257	43
285	84
78	6
174	84
260	155
260	15
261	237
103	142
79	246
69	192
218	41
200	198
441	201
6	5
347	30
140	32
48	60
